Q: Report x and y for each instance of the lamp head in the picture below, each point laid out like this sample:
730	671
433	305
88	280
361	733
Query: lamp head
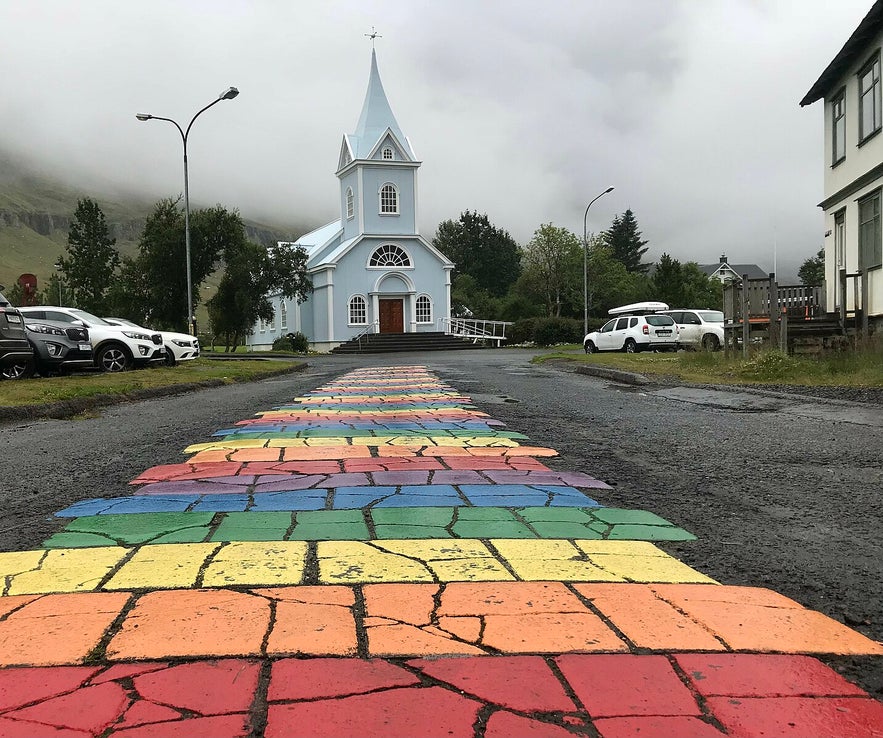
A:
143	116
609	189
228	94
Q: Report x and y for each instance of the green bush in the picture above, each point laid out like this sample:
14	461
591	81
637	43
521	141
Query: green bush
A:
295	342
551	331
770	365
521	331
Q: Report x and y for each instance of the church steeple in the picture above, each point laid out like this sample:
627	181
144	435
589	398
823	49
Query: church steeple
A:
376	119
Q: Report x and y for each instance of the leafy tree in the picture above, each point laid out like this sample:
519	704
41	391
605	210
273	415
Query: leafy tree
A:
812	271
666	282
468	299
254	272
91	259
610	283
625	243
684	285
479	249
162	261
553	261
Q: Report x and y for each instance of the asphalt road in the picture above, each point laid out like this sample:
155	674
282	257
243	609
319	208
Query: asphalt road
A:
782	493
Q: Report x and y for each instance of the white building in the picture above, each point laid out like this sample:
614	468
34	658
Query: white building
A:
371	269
851	89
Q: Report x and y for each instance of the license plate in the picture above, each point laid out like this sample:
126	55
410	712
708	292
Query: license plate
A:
13	318
663	333
85	346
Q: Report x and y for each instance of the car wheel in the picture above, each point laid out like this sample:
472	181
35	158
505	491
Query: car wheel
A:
710	342
112	358
590	347
630	347
20	370
170	357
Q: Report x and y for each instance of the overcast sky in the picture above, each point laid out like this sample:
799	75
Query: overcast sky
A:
521	110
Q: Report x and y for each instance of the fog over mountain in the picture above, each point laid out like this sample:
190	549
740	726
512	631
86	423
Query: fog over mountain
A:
688	108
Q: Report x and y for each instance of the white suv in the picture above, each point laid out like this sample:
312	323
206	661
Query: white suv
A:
179	346
115	348
698	328
633	333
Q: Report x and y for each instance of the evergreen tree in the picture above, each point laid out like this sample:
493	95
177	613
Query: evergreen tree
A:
91	259
479	249
666	283
625	243
812	271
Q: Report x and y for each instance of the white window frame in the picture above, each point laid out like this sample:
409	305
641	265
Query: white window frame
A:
840	239
388	199
870	237
350	203
869	95
388	150
283	315
390	256
838	128
423	300
356	305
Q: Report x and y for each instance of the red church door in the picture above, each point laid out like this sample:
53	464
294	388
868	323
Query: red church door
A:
392	316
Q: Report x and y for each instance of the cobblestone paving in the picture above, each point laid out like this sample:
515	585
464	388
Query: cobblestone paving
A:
379	558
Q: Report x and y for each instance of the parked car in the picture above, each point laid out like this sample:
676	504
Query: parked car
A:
698	328
16	354
179	346
58	347
114	348
635	328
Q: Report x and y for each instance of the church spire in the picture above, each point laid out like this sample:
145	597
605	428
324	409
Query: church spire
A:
376	117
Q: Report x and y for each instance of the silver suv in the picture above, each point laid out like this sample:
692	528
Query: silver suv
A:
634	333
115	348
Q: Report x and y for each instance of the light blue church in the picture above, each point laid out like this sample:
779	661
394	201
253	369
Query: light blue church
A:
371	269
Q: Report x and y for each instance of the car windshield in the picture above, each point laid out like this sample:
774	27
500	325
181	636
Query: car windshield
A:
712	316
89	318
659	320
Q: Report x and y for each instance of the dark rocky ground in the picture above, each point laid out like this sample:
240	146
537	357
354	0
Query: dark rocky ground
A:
781	501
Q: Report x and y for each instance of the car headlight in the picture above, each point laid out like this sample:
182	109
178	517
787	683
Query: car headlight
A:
137	336
179	342
47	329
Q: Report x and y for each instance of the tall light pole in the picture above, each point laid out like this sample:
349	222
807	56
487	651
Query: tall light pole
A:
227	94
586	262
58	278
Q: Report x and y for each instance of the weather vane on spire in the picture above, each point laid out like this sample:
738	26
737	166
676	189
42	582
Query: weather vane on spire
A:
373	35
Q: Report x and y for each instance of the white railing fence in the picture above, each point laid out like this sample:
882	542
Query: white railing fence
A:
477	330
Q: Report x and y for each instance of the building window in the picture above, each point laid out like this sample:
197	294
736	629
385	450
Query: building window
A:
870	244
388	153
389	199
358	310
390	255
838	129
350	202
283	315
262	326
424	309
869	120
840	239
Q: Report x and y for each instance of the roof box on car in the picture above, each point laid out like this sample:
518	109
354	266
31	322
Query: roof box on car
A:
638	308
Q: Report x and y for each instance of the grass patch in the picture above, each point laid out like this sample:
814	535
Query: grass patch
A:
861	366
80	386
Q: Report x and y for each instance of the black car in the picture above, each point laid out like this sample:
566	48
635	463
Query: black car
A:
59	347
16	354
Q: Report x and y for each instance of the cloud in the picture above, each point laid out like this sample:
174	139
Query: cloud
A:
524	111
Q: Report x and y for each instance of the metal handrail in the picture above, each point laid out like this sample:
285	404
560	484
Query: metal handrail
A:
490	330
368	330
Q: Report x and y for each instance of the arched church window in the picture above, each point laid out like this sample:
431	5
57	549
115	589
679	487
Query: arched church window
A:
283	315
424	309
350	204
358	310
389	199
390	255
388	153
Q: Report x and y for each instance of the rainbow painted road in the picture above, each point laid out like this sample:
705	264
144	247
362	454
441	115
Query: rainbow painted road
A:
380	558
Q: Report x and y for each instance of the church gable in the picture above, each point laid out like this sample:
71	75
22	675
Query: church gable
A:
346	154
388	148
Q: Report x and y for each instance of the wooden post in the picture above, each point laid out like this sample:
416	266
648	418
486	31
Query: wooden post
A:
783	333
866	297
774	311
842	308
746	326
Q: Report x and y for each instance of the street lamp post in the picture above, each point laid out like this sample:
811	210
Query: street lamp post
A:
58	278
586	263
227	94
